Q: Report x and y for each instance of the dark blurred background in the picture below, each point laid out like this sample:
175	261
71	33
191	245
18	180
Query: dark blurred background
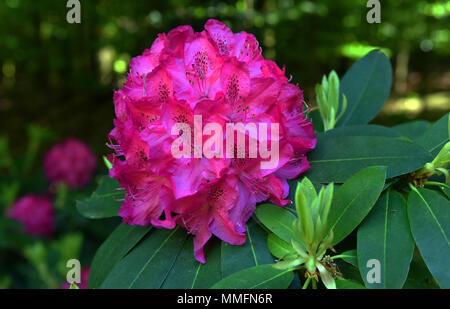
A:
61	76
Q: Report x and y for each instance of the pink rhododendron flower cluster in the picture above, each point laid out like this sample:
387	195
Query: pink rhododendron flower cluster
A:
83	285
35	213
223	77
71	162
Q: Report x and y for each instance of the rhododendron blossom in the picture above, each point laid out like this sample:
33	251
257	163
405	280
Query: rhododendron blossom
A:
35	213
71	162
222	77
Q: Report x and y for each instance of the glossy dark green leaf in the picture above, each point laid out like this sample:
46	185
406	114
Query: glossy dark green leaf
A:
429	218
446	190
348	284
385	235
115	247
148	264
354	199
335	159
419	277
102	203
257	277
253	252
366	85
188	273
362	130
349	272
278	247
316	119
436	136
412	129
278	220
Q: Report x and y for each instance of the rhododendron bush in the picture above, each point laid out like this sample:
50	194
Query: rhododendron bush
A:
224	178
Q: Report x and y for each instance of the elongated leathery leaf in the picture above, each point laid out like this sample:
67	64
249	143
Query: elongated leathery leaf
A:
385	235
366	85
257	277
412	129
188	273
436	136
115	247
148	264
277	220
102	203
253	253
429	218
354	199
348	284
278	247
336	158
363	130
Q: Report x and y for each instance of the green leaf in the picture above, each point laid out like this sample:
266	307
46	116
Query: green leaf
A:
412	129
148	264
337	158
446	190
253	252
429	218
354	199
350	257
278	247
363	130
436	136
348	284
73	286
257	277
419	277
102	203
188	273
277	220
316	119
115	247
385	235
366	85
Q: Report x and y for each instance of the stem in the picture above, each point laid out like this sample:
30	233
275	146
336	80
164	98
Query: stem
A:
435	183
314	284
340	256
413	188
305	285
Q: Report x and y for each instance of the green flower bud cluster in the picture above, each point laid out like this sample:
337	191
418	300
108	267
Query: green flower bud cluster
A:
313	236
327	95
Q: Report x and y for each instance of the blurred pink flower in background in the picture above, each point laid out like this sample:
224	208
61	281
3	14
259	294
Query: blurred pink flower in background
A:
223	77
84	280
35	213
71	162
